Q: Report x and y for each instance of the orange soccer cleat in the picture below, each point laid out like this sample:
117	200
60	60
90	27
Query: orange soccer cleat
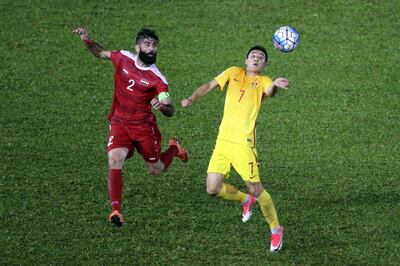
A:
116	218
182	153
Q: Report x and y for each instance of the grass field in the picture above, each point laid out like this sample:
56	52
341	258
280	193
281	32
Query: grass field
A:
329	147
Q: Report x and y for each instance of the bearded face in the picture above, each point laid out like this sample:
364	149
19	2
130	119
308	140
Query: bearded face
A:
146	50
148	58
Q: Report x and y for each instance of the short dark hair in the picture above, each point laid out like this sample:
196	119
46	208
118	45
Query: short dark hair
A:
258	48
145	33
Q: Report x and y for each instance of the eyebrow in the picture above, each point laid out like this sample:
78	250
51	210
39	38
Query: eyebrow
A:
258	53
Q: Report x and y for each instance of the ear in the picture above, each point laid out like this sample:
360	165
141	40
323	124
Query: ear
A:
137	49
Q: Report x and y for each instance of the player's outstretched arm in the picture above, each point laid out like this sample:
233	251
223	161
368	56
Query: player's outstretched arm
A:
94	48
200	92
279	83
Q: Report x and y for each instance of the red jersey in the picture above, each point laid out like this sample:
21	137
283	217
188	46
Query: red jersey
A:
134	88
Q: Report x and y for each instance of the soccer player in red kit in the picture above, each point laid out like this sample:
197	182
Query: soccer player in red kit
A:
138	87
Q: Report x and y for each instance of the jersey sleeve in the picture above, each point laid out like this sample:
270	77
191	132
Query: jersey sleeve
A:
223	78
161	87
267	83
116	58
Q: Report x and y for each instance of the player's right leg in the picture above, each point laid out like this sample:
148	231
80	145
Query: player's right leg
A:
119	148
215	182
116	158
216	187
218	170
220	162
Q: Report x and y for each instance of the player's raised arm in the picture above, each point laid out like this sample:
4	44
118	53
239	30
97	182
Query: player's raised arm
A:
94	48
200	92
281	83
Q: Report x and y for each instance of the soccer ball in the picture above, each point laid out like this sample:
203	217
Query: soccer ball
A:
286	39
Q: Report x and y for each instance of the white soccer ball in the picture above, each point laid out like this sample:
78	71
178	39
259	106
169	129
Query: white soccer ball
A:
286	39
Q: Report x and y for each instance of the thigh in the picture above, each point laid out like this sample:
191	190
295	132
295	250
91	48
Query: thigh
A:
148	142
119	138
245	162
219	162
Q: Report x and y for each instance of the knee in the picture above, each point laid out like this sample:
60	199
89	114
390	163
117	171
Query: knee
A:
213	190
115	161
155	171
252	191
256	190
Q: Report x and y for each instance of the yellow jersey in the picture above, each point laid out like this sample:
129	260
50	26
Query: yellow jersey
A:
242	104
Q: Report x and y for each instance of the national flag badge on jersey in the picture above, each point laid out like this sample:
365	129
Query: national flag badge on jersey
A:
254	84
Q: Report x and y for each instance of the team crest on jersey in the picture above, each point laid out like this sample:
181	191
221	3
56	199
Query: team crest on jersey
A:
144	82
254	84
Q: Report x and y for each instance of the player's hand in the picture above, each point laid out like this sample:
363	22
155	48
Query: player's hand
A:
281	83
187	102
83	34
155	103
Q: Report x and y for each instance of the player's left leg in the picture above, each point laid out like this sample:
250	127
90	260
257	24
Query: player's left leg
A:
164	160
149	146
268	209
155	168
181	154
175	149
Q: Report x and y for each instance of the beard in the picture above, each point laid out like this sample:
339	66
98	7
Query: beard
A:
147	58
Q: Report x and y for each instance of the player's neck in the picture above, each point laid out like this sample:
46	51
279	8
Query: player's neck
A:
140	63
252	73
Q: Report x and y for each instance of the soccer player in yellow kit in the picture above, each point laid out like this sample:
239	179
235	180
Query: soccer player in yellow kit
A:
236	141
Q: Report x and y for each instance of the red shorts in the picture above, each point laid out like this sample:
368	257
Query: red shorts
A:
145	138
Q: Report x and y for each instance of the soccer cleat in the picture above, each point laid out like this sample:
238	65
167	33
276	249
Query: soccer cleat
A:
277	240
182	153
247	208
116	218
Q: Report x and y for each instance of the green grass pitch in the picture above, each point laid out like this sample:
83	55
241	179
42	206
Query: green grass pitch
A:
329	147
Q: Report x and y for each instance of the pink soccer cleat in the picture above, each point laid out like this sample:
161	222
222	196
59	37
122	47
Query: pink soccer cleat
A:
247	208
277	240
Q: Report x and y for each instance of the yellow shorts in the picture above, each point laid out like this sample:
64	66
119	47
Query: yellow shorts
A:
243	158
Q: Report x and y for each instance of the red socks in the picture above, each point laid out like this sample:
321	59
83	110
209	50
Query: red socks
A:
168	155
115	188
115	178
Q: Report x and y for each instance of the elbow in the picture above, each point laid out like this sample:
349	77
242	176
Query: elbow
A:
102	56
169	114
270	94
